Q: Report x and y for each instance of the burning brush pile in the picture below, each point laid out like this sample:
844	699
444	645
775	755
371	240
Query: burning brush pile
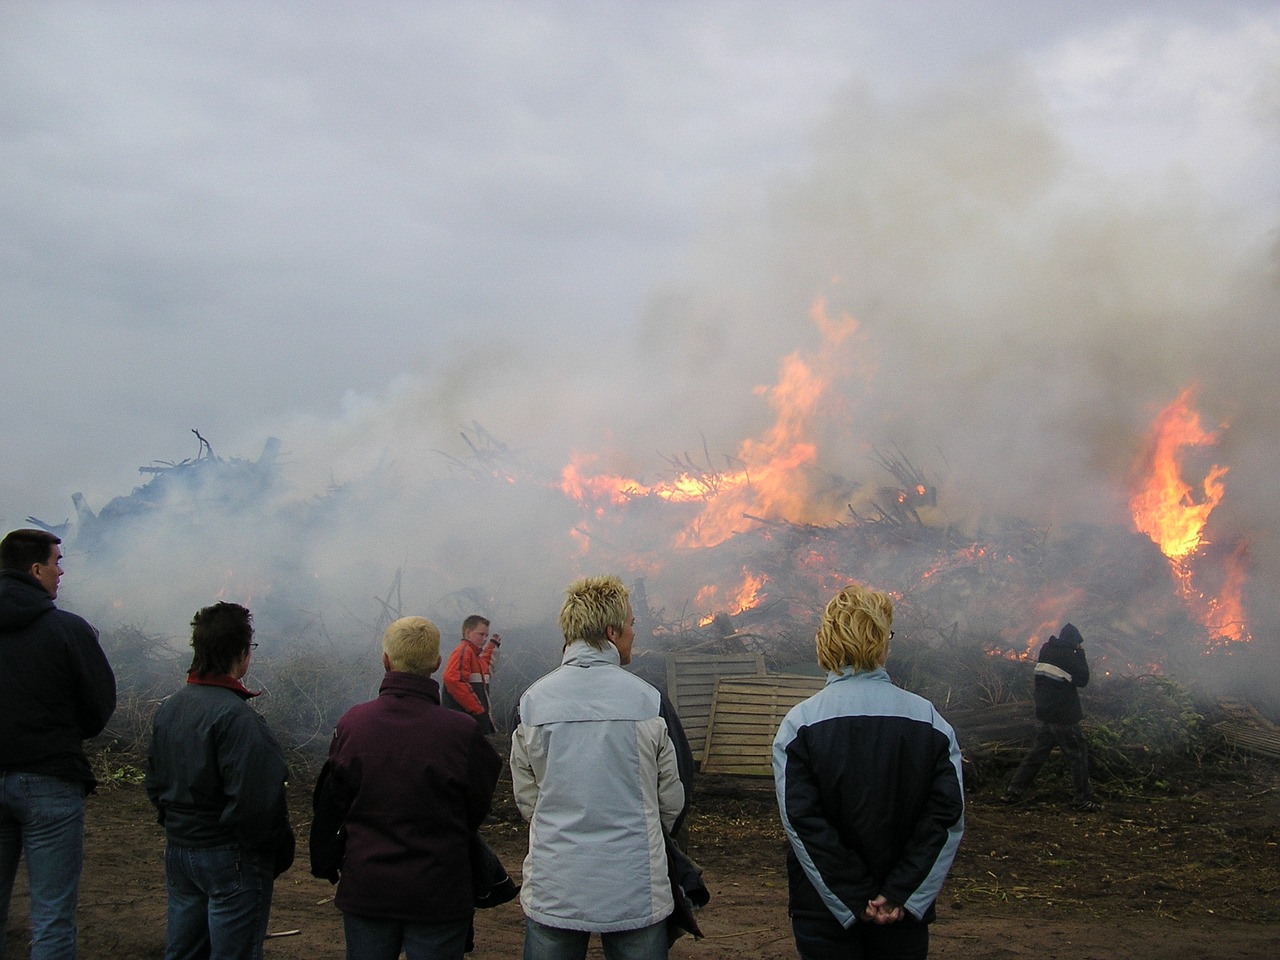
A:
729	558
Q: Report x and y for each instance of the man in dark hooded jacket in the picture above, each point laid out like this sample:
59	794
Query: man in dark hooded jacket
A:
1060	671
56	691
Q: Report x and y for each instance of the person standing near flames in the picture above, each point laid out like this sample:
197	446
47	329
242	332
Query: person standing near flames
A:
871	795
406	785
56	691
217	778
1061	670
594	771
466	675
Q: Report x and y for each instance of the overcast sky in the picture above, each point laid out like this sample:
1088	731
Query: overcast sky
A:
361	227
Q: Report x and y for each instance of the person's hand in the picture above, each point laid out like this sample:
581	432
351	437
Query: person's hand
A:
495	639
881	911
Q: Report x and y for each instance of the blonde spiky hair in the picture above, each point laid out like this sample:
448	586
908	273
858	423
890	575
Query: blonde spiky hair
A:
592	605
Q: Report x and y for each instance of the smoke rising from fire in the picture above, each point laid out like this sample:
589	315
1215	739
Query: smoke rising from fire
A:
1019	315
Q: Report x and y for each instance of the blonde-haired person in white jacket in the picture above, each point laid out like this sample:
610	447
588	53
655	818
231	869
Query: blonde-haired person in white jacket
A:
594	772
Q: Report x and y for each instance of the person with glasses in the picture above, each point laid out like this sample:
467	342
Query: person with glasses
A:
217	777
870	789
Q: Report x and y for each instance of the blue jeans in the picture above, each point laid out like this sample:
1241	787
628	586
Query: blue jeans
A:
372	939
553	943
42	818
1067	737
219	903
824	939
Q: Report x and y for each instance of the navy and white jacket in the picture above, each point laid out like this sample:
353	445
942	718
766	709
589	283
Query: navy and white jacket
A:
871	796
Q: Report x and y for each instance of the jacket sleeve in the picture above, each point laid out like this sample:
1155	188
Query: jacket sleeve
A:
327	839
916	879
524	781
837	872
95	681
685	764
671	799
1079	668
457	677
482	778
253	777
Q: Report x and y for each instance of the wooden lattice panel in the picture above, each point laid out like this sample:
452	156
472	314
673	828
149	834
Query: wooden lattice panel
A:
745	715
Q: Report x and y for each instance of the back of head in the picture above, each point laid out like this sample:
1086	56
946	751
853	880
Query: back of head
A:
412	645
591	605
855	630
220	635
20	549
1070	635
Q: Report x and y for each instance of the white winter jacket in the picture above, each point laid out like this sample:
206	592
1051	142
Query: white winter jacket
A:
594	773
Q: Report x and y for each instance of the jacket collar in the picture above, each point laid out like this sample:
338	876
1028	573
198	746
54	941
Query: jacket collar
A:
224	680
401	683
849	673
582	654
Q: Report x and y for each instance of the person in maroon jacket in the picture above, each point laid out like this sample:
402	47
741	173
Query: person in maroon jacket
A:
407	783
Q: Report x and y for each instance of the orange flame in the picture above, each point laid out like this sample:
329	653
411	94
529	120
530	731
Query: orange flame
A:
1163	506
1166	509
775	478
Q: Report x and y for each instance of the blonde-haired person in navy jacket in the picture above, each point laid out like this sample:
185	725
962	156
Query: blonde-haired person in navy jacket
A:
871	796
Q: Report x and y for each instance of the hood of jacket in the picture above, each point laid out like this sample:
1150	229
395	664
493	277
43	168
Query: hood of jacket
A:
22	599
1070	635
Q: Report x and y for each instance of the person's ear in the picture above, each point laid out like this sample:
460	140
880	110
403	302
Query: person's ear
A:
437	666
386	663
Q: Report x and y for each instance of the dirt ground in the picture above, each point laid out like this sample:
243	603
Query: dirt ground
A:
1194	875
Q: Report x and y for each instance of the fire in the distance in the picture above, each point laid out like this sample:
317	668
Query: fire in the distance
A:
1174	514
772	481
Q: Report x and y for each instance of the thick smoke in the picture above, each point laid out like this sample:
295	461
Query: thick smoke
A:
1021	317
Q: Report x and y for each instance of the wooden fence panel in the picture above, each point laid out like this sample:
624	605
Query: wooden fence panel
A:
691	685
745	714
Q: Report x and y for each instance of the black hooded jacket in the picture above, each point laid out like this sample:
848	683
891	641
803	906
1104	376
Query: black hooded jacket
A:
1061	670
56	686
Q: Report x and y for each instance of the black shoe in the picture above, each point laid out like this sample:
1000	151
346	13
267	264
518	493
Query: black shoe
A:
1010	797
1086	806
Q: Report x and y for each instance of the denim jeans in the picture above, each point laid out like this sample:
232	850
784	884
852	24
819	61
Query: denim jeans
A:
219	903
1067	737
553	943
372	939
824	939
42	818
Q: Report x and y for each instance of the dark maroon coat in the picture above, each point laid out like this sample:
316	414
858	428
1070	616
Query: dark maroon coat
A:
409	781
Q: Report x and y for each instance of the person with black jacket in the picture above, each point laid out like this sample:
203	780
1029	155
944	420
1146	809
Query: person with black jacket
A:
871	794
56	691
1060	671
217	777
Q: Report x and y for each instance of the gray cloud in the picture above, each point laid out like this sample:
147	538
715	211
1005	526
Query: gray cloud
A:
596	228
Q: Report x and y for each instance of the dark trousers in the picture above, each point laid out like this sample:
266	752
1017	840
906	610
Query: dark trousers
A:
1067	737
822	938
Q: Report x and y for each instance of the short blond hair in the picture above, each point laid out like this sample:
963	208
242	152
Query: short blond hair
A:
855	630
412	644
591	606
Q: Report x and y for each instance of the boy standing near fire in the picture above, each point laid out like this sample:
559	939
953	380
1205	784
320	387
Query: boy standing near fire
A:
466	675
